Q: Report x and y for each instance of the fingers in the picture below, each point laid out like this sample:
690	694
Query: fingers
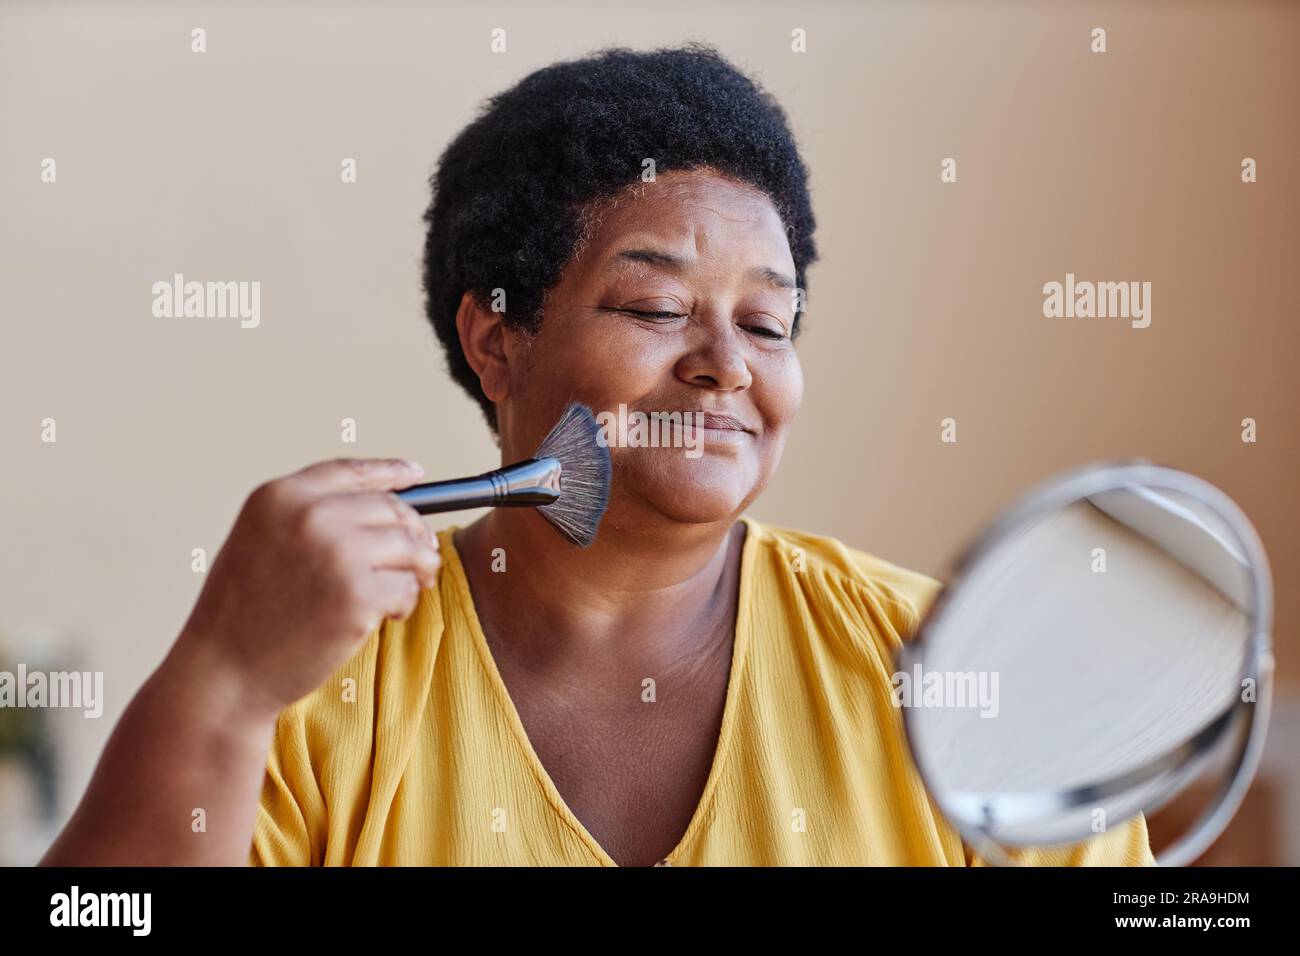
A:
393	594
342	475
397	549
374	509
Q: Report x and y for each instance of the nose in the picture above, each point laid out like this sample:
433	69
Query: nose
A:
716	360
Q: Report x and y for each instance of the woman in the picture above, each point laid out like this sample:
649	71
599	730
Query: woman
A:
696	688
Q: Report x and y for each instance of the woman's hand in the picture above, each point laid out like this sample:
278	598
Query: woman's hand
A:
315	561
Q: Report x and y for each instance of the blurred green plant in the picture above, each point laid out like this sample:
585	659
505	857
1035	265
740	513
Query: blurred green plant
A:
25	736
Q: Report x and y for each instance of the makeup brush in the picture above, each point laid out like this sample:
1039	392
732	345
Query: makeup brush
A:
567	480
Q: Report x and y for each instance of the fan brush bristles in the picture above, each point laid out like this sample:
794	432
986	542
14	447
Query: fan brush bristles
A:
584	475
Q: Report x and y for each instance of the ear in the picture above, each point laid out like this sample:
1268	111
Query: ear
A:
483	339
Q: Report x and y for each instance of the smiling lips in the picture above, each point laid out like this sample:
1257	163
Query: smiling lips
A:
715	427
722	423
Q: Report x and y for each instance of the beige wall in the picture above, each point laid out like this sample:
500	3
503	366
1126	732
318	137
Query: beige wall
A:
927	303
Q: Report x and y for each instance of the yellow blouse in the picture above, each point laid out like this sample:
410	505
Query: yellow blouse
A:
414	754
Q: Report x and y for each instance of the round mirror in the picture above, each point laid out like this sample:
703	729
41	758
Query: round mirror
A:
1103	646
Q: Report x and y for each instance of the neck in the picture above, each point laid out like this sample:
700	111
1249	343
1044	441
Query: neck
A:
659	584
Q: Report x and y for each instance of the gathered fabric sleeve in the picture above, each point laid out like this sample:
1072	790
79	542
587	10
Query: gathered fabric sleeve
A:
289	830
1123	845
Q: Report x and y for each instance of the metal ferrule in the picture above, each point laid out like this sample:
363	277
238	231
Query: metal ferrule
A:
526	484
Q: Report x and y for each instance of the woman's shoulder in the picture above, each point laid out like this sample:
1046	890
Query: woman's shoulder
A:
851	579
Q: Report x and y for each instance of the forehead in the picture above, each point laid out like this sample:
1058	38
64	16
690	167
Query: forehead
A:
695	213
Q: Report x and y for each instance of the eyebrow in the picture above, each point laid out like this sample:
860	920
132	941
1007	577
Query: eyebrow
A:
667	260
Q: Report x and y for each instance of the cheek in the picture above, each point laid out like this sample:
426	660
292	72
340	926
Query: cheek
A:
778	389
604	364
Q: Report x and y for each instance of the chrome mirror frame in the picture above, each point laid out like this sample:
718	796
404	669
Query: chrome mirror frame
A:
1246	720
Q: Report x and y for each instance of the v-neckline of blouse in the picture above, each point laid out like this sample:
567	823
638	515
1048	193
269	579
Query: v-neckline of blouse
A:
722	749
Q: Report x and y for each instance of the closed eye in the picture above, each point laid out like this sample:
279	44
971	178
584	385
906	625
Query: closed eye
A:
759	330
641	313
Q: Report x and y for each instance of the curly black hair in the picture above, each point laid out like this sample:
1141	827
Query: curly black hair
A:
512	192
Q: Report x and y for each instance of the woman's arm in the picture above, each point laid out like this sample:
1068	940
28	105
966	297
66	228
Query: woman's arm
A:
314	562
179	779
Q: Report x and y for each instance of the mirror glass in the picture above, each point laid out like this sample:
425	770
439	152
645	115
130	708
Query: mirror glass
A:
1089	659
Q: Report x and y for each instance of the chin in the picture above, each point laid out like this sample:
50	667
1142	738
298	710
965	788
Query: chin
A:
695	491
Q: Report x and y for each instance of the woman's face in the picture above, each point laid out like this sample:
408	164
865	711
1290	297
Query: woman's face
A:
681	300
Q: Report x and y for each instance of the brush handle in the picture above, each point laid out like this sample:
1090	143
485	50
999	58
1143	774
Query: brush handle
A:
526	484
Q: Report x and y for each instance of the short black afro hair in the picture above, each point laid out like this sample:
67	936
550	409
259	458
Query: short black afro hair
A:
511	191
